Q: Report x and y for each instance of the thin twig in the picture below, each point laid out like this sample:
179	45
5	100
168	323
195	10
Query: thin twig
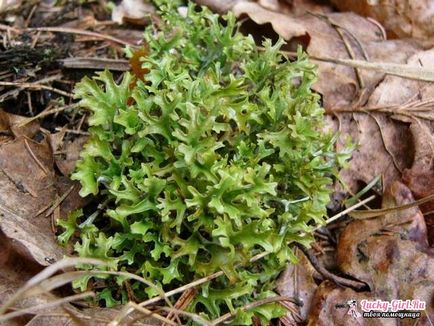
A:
36	86
80	32
182	303
326	274
250	306
34	157
46	113
59	201
395	69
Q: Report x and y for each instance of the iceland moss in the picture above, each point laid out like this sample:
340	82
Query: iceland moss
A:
217	156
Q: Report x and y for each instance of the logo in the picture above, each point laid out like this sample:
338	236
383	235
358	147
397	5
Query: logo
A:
352	309
384	309
351	305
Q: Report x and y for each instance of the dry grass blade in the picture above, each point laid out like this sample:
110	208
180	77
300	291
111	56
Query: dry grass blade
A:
252	305
96	64
400	70
365	214
45	274
126	312
183	302
357	285
55	282
350	209
194	317
45	306
163	295
148	313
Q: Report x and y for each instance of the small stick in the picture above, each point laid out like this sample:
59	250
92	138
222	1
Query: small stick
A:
59	201
80	32
182	303
326	274
46	113
34	157
36	87
251	306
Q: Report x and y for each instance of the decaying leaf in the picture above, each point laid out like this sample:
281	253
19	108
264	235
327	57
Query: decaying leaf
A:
66	152
132	10
297	281
27	182
220	6
402	18
420	177
88	317
390	254
6	5
329	307
10	125
284	25
409	223
382	148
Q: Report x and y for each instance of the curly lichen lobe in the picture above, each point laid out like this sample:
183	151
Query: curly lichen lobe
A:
214	157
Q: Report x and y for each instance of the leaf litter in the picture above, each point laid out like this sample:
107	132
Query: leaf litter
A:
388	117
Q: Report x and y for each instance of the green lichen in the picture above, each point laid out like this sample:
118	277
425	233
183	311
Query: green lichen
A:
216	157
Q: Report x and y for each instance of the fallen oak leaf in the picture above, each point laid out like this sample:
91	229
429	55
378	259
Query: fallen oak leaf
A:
298	281
27	181
131	11
11	124
219	6
284	25
401	17
324	306
408	224
30	241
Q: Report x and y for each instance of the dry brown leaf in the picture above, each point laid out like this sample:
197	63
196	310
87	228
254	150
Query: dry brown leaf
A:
291	7
300	7
67	152
6	5
27	183
408	223
132	11
334	35
402	18
73	200
382	148
324	311
297	281
10	124
88	317
384	145
284	25
14	272
390	254
220	6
